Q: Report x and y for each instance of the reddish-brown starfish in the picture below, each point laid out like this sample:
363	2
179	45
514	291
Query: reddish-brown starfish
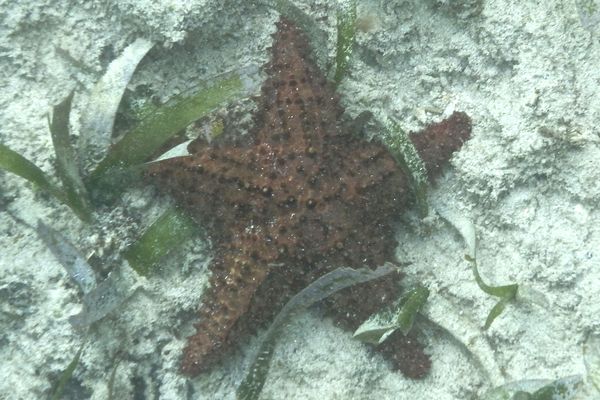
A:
301	198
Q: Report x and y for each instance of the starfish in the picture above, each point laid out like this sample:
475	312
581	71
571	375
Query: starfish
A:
301	197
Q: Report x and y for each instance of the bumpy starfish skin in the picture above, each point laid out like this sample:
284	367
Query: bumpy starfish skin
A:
301	198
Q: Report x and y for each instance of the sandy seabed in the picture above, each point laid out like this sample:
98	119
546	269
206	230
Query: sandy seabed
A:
529	180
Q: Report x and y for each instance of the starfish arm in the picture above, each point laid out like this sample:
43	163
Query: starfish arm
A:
352	306
276	290
216	186
436	143
299	107
239	269
406	354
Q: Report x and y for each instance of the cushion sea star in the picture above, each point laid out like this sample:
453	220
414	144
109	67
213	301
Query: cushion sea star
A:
300	198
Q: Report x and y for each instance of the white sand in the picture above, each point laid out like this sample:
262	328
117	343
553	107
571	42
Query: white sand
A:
526	72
